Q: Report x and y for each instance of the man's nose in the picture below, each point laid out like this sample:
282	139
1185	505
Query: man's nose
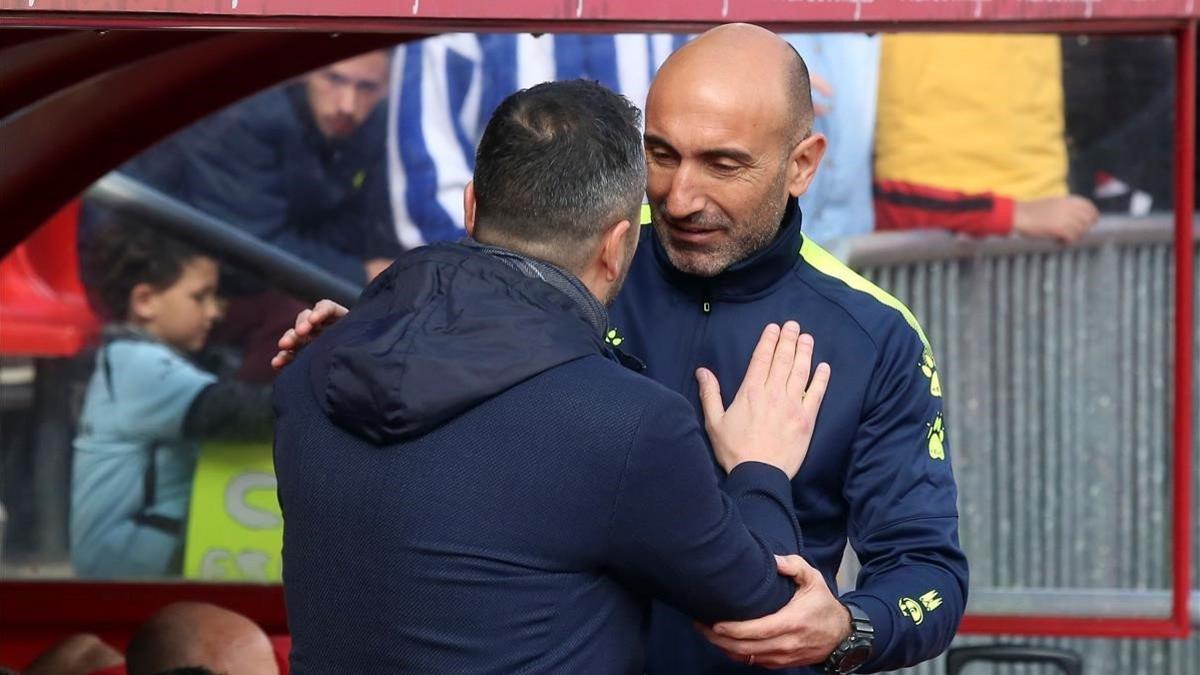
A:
685	198
347	99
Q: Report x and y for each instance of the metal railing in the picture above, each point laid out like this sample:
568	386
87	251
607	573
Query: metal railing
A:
1056	362
285	271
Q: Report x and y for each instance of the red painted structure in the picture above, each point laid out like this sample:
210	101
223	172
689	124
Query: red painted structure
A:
137	86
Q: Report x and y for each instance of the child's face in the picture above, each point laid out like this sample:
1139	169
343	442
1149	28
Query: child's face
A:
182	314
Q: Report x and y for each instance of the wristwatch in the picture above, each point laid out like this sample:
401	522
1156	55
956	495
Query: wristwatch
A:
854	651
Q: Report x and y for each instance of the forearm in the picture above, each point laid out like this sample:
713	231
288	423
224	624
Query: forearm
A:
230	410
915	598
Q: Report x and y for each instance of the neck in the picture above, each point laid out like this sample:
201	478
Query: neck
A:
584	296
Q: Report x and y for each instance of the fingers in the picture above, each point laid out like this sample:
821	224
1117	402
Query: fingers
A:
283	358
816	392
801	367
764	628
710	396
326	312
760	360
784	356
792	566
303	322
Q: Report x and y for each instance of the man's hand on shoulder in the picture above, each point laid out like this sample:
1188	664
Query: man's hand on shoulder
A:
309	324
804	632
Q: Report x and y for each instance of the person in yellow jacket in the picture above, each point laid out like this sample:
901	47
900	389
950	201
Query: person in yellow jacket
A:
970	137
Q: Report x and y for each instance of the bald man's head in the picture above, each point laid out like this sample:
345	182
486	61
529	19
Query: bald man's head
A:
728	142
187	634
749	63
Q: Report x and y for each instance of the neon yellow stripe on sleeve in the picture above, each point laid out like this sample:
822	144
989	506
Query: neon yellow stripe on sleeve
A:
824	262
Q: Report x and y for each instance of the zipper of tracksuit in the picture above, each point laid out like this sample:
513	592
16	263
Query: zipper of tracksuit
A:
698	337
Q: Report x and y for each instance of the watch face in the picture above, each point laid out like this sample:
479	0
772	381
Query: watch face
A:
853	658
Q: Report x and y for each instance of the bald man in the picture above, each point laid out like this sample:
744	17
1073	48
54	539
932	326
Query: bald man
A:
195	634
729	149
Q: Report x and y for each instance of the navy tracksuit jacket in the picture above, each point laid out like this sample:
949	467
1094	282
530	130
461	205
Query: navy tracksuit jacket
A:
878	469
471	483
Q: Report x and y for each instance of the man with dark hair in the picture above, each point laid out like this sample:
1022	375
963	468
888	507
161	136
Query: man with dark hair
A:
472	481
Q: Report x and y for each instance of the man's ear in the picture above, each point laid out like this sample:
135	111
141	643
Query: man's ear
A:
143	302
469	208
802	163
614	250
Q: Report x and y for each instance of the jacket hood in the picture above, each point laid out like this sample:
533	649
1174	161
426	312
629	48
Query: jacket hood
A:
444	329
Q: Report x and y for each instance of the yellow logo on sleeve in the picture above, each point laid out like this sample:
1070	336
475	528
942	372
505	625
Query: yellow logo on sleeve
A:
936	437
931	601
929	369
917	610
910	608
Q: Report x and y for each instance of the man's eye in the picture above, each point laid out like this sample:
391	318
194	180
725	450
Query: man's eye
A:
725	168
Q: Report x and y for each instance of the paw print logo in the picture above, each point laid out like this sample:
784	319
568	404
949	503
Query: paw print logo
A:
911	609
936	437
613	338
929	369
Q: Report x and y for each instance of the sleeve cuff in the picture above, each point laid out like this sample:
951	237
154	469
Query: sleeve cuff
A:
882	621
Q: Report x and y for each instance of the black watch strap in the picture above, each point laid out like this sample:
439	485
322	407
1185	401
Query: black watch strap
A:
854	651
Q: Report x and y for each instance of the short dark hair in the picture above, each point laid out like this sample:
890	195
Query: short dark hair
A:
125	254
800	107
557	164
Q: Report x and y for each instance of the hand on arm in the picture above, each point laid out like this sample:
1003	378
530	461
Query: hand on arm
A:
804	632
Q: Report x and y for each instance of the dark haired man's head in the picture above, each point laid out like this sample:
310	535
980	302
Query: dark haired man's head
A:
728	141
195	637
342	95
559	169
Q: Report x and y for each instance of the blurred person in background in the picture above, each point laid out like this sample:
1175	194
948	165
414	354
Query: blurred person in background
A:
845	77
1120	98
970	137
148	405
301	166
197	637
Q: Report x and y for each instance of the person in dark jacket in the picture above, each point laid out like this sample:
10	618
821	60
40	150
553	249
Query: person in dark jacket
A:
473	481
727	157
301	166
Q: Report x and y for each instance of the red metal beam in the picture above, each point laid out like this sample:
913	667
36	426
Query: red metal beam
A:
33	70
433	26
1185	202
590	11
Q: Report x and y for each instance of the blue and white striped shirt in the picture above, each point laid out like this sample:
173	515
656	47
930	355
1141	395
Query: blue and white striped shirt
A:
445	89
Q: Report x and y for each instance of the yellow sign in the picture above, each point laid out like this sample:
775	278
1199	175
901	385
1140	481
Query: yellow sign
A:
235	527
